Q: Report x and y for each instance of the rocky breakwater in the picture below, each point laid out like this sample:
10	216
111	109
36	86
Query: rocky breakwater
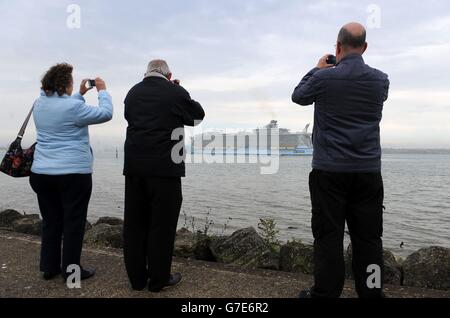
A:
427	268
21	223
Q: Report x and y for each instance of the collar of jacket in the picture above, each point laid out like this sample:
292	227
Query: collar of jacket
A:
352	56
155	74
55	94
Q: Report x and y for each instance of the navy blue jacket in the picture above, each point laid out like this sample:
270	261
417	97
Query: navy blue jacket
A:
349	102
155	109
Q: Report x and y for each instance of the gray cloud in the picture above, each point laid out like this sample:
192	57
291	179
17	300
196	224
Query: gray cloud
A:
241	59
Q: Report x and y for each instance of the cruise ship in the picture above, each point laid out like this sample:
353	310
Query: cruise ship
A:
269	140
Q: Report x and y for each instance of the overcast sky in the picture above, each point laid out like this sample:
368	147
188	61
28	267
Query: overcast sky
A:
240	58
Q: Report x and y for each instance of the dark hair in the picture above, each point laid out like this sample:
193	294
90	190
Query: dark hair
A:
57	79
348	39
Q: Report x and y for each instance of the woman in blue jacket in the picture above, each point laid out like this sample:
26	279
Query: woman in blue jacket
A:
62	168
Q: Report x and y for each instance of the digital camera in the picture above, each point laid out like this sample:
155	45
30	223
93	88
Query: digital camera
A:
331	60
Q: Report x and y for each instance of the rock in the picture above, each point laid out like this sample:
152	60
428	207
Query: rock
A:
184	244
245	248
109	220
428	268
88	226
105	235
392	269
297	257
399	260
270	259
393	273
28	224
202	250
190	245
8	217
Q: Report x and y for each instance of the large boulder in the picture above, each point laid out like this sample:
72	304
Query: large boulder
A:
28	224
245	248
109	220
184	244
392	269
297	257
393	272
8	217
105	235
428	268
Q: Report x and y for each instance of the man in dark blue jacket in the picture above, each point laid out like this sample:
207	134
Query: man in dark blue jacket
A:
346	182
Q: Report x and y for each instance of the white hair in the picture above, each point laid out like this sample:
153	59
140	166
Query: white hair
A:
158	66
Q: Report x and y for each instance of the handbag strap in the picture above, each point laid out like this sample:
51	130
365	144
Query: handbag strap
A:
25	123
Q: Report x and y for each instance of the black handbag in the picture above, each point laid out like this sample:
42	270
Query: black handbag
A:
17	161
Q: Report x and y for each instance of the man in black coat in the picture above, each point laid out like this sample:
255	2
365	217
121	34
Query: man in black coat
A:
157	110
346	182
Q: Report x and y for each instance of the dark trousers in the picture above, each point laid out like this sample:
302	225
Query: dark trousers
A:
358	199
63	202
152	209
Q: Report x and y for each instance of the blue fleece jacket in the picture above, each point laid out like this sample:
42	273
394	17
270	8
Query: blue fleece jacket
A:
63	134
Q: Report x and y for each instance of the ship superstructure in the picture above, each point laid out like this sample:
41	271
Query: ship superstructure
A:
262	141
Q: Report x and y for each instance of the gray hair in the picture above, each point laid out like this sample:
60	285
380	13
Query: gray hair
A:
158	66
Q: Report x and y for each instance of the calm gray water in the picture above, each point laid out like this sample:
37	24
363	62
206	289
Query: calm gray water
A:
417	197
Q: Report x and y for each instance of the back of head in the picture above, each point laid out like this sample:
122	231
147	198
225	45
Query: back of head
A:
58	79
352	38
158	66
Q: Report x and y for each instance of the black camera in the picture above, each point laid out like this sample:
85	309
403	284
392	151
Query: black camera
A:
90	83
331	60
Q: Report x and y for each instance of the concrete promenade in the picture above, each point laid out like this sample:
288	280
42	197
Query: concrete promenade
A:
20	278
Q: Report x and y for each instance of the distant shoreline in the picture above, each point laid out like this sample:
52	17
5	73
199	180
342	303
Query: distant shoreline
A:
413	151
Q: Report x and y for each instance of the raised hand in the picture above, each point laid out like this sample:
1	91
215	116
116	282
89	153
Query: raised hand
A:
83	88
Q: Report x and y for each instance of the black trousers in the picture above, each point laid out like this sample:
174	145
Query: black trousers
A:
358	199
152	209
63	202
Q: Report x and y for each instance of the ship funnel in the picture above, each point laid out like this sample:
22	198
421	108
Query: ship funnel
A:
273	125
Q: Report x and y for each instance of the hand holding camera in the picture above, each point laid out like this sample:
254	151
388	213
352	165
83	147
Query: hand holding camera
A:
327	61
100	84
88	84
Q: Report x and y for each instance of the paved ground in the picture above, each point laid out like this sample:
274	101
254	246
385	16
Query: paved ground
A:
19	277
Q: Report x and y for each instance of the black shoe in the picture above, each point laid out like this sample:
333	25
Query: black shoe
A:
86	273
174	280
50	276
139	287
305	294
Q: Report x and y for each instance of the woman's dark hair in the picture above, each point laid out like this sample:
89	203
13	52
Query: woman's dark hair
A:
57	79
